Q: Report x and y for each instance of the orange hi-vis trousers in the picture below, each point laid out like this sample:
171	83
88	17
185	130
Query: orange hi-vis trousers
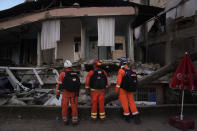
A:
72	98
126	99
98	97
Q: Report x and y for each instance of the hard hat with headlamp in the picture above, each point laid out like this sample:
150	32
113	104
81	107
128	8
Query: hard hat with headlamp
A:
67	64
97	62
123	60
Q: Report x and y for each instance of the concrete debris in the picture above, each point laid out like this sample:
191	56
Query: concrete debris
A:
114	103
3	101
83	99
5	86
147	103
53	101
36	86
15	101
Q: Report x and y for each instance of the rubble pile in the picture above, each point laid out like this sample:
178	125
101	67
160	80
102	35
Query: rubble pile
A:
26	86
36	86
84	98
32	97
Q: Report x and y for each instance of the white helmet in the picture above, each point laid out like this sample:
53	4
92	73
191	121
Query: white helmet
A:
67	64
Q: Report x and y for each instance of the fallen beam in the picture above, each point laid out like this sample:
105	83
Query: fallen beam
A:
153	76
164	70
15	83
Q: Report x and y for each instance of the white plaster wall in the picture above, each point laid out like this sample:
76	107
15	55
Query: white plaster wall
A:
188	9
70	28
159	3
135	1
119	53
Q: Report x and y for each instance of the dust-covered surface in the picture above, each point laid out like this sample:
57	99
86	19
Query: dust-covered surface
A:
149	123
37	118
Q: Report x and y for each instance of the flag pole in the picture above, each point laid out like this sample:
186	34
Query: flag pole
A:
181	117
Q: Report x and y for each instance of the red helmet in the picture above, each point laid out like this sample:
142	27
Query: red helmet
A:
97	62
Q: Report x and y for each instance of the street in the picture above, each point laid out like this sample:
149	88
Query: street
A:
153	123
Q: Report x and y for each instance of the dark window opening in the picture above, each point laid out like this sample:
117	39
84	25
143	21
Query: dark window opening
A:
77	46
118	46
77	41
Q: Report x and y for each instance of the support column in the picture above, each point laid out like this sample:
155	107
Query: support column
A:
146	41
130	43
39	49
83	40
168	50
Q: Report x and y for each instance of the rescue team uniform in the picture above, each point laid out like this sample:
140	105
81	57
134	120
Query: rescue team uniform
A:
125	97
67	96
97	81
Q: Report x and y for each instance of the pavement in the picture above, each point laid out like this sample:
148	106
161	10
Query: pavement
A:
152	123
153	119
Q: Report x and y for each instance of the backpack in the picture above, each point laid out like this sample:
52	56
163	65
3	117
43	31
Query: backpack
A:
98	80
129	81
71	81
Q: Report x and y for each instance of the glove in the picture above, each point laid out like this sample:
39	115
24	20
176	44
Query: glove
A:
57	97
86	87
117	90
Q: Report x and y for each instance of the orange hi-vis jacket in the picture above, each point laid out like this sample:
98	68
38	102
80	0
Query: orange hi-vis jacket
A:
97	97
121	74
89	76
60	80
125	97
67	97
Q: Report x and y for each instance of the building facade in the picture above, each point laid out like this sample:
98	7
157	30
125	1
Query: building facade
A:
49	32
169	35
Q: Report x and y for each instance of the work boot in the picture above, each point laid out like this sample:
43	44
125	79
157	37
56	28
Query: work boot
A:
127	118
75	123
137	119
66	123
94	119
65	120
75	120
102	119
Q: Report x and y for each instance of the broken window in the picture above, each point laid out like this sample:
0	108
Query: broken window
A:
77	46
118	46
77	41
184	22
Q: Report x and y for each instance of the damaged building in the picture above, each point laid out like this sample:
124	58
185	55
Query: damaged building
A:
165	38
48	32
168	36
44	33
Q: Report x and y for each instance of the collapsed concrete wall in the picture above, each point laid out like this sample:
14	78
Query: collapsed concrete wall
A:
172	34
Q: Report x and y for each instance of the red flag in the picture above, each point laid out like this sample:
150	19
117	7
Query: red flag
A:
185	77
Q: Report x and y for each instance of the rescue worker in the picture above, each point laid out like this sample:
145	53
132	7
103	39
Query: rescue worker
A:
125	91
96	82
68	84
